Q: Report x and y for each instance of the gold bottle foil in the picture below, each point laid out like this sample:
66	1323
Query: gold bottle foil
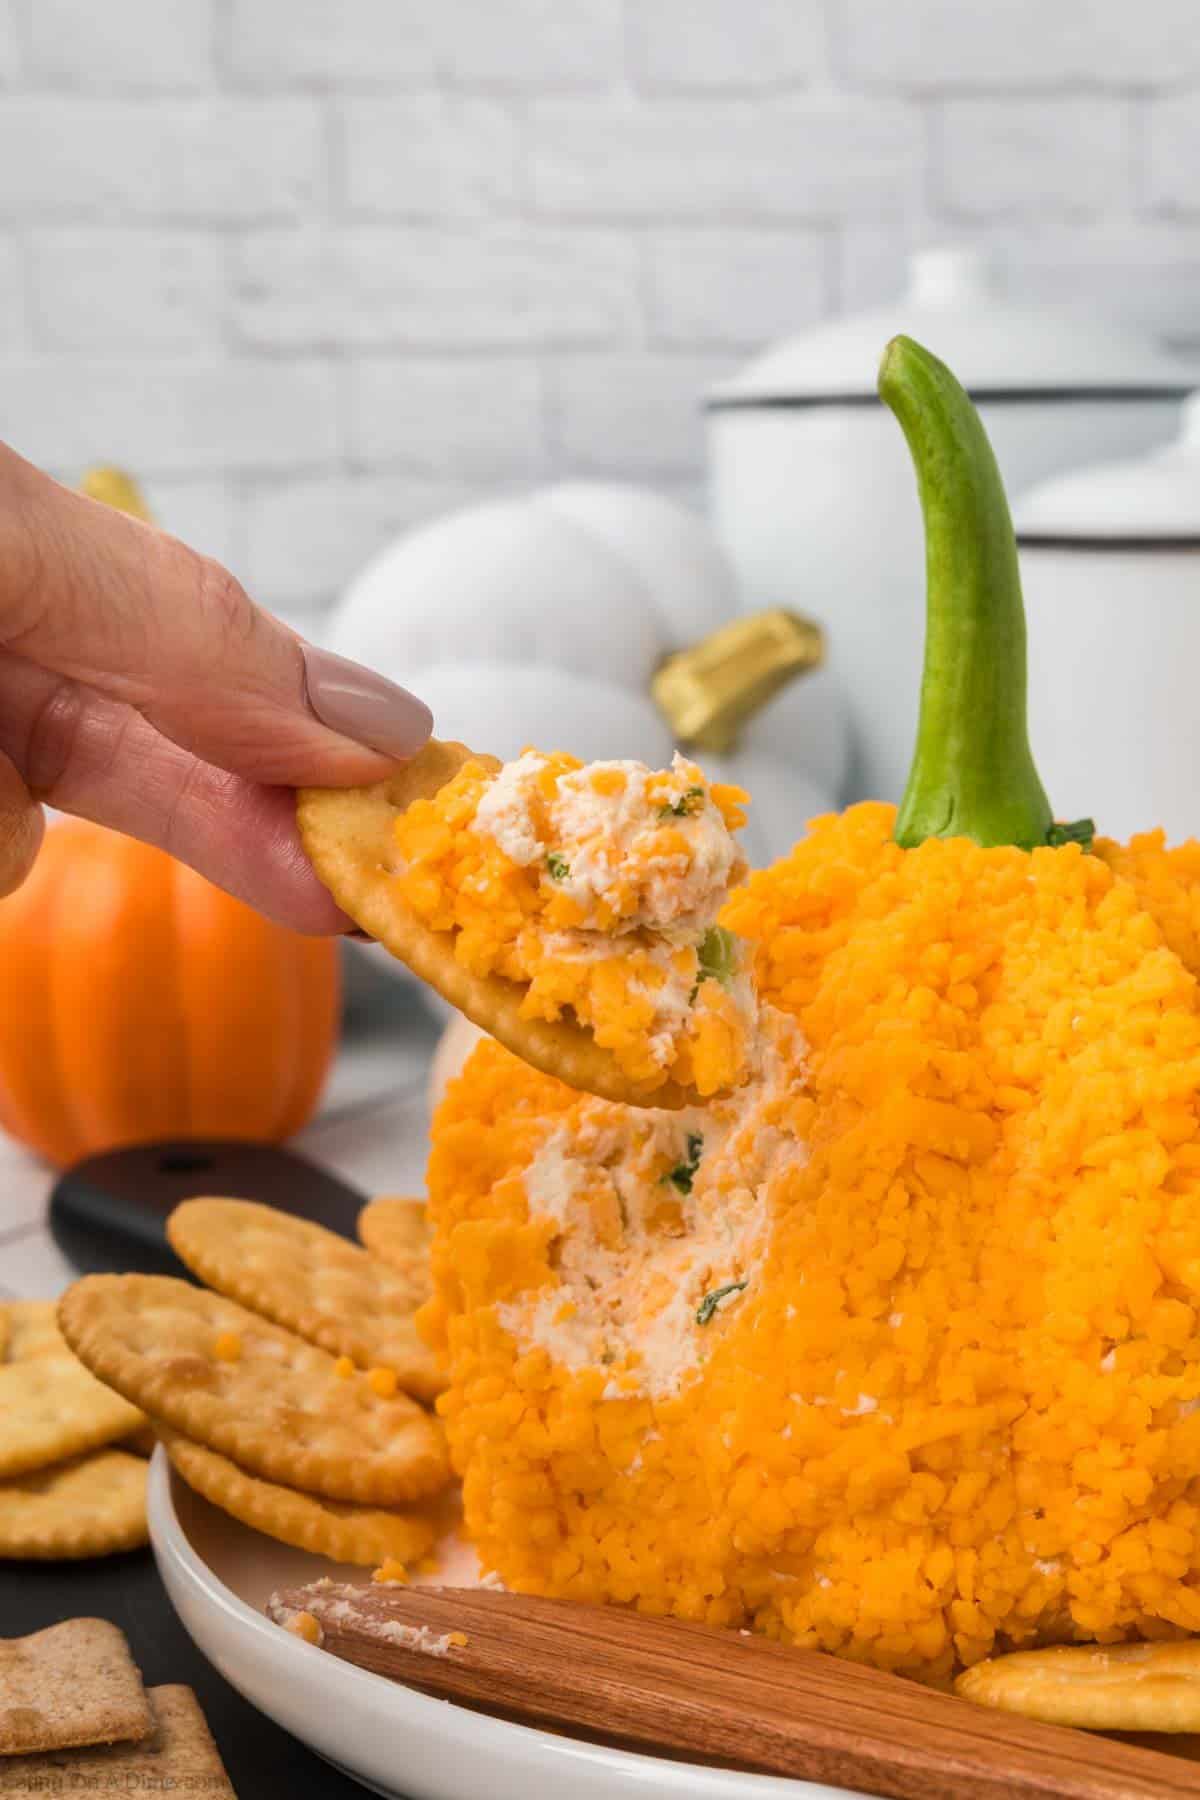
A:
708	692
116	489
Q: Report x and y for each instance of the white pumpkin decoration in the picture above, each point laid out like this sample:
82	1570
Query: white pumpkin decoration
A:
542	620
456	1043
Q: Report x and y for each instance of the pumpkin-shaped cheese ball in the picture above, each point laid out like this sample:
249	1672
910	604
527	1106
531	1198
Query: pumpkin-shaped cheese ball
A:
895	1352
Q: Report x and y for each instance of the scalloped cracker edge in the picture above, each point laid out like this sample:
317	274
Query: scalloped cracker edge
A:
29	1330
1097	1687
346	1533
92	1506
299	1275
52	1407
274	1404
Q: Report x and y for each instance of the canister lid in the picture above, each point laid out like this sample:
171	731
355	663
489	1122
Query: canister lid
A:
998	346
1151	501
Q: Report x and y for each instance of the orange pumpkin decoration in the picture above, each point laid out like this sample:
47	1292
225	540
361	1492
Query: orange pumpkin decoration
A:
138	1001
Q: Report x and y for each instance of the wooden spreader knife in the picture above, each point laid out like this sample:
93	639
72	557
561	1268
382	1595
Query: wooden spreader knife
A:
720	1697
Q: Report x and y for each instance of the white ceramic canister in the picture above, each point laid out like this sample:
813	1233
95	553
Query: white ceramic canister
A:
1110	565
812	490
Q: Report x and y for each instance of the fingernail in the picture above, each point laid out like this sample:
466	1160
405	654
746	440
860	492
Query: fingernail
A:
365	706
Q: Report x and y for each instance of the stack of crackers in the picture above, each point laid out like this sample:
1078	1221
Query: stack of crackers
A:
70	1485
75	1717
293	1390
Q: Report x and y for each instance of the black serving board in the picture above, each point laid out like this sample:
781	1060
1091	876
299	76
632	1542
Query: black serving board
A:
110	1211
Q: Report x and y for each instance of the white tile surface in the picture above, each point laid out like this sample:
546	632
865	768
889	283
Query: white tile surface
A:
33	1268
24	1185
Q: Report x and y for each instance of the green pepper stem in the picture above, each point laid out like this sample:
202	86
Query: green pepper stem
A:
972	773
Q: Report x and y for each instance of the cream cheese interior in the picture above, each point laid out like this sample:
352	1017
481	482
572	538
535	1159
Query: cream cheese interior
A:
655	1214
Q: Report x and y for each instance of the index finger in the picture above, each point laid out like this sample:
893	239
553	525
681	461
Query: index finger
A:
122	607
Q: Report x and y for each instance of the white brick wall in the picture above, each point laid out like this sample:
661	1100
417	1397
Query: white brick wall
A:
1061	157
714	45
1172	152
529	44
120	290
317	270
224	160
633	413
475	416
436	287
927	45
734	287
809	158
276	43
307	536
177	416
137	47
429	156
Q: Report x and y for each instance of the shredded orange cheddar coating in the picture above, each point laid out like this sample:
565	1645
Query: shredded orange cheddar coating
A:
391	1573
595	885
956	1406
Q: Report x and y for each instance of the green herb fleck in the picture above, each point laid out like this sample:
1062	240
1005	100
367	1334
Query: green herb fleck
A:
684	1173
1079	831
710	1302
718	956
558	866
689	802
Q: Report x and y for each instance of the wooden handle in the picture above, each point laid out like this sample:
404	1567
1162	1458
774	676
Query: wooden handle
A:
721	1697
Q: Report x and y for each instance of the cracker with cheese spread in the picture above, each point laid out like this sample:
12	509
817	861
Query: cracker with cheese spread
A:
570	909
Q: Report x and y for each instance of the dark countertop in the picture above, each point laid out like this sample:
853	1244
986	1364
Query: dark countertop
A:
264	1761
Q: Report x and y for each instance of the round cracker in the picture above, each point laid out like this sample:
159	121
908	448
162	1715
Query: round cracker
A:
1098	1687
278	1407
349	836
347	1534
53	1408
31	1330
142	1441
396	1229
312	1282
93	1506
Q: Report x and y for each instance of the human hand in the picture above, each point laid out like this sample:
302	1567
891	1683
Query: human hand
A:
141	687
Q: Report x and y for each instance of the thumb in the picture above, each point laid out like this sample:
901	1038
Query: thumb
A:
133	614
22	823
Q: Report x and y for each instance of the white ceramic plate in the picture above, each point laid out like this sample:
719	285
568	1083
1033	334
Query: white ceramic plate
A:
398	1743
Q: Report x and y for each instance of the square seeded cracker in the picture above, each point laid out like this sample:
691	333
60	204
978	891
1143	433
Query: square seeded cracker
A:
178	1758
75	1683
